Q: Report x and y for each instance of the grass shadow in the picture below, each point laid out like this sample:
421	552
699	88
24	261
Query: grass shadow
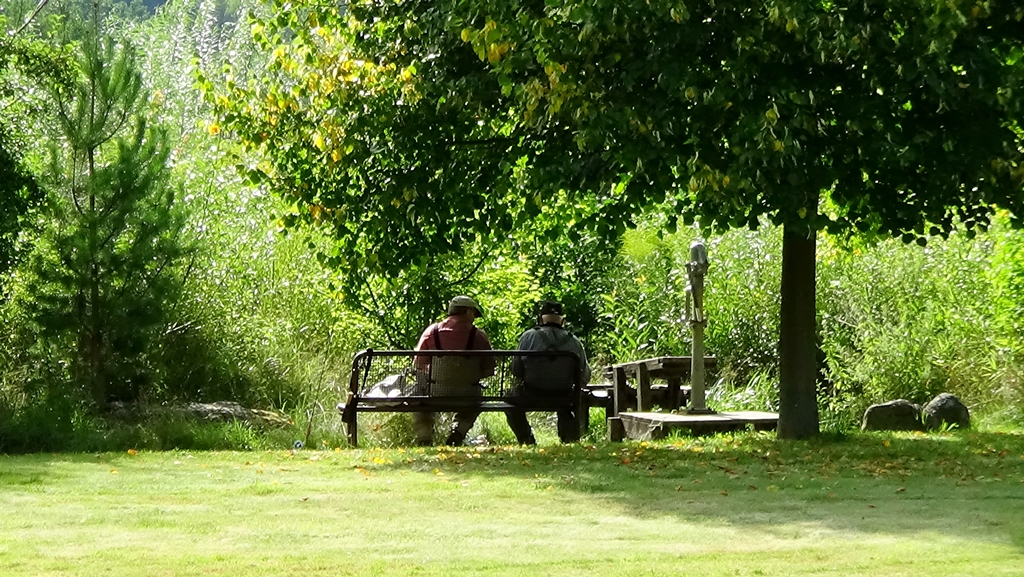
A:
968	485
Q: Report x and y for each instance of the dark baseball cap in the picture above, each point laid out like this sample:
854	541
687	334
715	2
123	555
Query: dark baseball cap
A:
549	308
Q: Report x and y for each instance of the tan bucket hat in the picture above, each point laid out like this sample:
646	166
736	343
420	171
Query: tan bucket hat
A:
465	301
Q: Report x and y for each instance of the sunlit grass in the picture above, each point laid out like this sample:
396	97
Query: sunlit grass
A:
744	505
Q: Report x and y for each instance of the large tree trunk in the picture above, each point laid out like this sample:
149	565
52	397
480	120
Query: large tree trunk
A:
798	404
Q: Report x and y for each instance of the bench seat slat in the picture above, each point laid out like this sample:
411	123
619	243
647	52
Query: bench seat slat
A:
413	404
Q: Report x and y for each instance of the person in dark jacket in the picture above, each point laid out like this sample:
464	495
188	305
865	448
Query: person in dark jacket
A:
544	377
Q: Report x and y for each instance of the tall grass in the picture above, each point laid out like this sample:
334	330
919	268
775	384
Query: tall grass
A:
894	321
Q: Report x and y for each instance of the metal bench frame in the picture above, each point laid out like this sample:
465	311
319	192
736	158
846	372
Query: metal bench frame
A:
497	393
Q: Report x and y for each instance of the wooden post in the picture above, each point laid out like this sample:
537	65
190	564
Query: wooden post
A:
616	432
643	388
619	391
675	396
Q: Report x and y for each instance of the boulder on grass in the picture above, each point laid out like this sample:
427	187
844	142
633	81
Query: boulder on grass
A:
946	408
898	415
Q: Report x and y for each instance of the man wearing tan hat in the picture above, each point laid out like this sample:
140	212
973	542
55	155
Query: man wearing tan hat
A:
456	332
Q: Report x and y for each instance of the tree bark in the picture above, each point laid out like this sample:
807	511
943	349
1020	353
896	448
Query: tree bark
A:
798	403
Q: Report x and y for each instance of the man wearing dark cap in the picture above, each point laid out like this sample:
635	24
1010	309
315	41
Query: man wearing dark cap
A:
540	378
456	332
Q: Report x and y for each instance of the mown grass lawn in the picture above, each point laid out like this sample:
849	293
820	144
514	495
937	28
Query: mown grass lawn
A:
900	504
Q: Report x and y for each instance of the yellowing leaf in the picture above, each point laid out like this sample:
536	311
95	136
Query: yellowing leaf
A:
465	35
493	53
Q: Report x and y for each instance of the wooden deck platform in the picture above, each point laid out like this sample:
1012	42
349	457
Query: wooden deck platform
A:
646	426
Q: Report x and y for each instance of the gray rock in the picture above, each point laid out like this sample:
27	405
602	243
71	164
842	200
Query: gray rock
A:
946	408
230	411
898	415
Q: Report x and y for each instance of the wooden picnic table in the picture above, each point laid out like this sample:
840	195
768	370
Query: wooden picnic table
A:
674	370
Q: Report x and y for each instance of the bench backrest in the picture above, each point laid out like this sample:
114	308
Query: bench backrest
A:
446	373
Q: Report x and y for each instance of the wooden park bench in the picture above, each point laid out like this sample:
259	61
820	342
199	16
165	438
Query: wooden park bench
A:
456	380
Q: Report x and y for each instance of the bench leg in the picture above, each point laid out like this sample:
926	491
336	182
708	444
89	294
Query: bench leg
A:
352	428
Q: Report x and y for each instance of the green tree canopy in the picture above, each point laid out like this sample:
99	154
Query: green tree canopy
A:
28	68
412	127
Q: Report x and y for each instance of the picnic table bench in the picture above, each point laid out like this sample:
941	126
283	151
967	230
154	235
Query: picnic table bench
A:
402	381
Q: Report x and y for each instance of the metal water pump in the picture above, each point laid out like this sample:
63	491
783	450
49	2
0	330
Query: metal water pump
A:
696	269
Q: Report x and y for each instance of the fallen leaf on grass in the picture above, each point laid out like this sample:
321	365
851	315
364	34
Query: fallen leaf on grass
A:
723	492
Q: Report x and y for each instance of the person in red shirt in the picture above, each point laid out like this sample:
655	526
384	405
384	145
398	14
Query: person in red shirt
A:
456	332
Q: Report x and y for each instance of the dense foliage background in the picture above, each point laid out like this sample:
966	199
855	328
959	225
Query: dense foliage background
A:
196	283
